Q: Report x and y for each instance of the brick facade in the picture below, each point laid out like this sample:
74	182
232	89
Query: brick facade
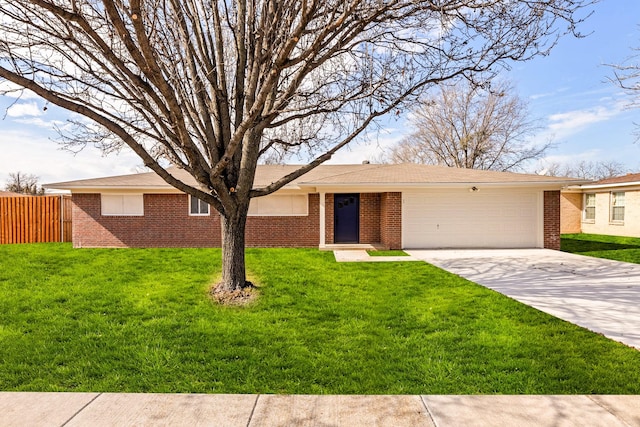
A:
370	218
391	220
286	231
375	209
328	218
552	220
570	213
167	223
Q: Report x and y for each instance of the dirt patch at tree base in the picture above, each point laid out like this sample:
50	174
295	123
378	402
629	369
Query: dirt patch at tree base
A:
240	297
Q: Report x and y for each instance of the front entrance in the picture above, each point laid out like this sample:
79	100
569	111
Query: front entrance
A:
346	218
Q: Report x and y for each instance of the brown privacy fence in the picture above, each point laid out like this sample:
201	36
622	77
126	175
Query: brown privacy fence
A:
34	219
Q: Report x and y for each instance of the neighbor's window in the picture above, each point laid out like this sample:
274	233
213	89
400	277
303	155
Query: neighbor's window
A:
279	205
590	207
197	206
617	207
122	204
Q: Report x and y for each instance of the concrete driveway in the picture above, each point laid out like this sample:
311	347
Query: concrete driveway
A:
598	294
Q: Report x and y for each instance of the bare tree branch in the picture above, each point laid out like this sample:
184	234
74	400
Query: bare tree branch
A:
213	87
626	75
23	183
594	170
467	126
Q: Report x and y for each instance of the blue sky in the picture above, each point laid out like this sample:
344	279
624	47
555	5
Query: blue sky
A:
580	111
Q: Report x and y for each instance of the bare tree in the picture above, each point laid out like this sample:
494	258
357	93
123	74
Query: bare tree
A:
627	77
586	169
212	87
468	126
23	183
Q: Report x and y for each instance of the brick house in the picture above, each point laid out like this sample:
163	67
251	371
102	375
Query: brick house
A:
610	206
393	206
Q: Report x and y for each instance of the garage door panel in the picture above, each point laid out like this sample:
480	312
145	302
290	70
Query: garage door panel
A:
458	219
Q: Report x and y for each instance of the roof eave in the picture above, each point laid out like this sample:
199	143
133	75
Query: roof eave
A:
614	185
400	185
101	188
140	189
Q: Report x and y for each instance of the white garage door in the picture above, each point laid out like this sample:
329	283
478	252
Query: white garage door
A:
457	218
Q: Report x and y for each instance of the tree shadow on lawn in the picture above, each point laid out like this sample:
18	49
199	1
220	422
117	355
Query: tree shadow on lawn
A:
574	245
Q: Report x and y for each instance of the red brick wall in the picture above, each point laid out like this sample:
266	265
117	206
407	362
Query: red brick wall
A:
167	223
328	218
391	220
286	231
552	220
380	219
370	218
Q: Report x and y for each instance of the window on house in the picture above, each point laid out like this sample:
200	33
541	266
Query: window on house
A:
279	205
617	207
197	206
590	207
122	204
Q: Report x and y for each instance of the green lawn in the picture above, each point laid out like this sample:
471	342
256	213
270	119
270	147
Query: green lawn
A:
139	320
600	246
387	253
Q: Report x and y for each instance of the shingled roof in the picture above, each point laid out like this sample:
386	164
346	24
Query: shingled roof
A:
411	173
632	178
332	175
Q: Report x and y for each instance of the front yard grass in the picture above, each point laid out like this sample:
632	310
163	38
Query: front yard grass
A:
612	247
140	320
387	253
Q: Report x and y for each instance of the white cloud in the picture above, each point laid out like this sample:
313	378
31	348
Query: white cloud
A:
626	154
37	121
34	153
12	90
553	93
22	109
587	156
571	122
370	150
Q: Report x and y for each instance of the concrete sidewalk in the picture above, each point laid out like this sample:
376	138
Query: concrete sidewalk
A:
122	409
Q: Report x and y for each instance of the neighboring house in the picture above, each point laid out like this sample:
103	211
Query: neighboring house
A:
394	206
609	206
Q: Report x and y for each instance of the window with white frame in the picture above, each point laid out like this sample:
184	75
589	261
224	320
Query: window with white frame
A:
589	207
617	207
279	205
122	204
197	206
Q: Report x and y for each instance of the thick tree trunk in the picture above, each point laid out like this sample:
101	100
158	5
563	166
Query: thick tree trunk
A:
233	264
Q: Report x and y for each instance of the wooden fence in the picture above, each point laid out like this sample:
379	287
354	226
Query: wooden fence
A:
34	219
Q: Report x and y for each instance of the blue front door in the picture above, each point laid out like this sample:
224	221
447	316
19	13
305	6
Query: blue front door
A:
346	224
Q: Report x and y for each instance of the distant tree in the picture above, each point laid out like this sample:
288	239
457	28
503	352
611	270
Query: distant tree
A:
586	169
470	126
213	87
23	183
